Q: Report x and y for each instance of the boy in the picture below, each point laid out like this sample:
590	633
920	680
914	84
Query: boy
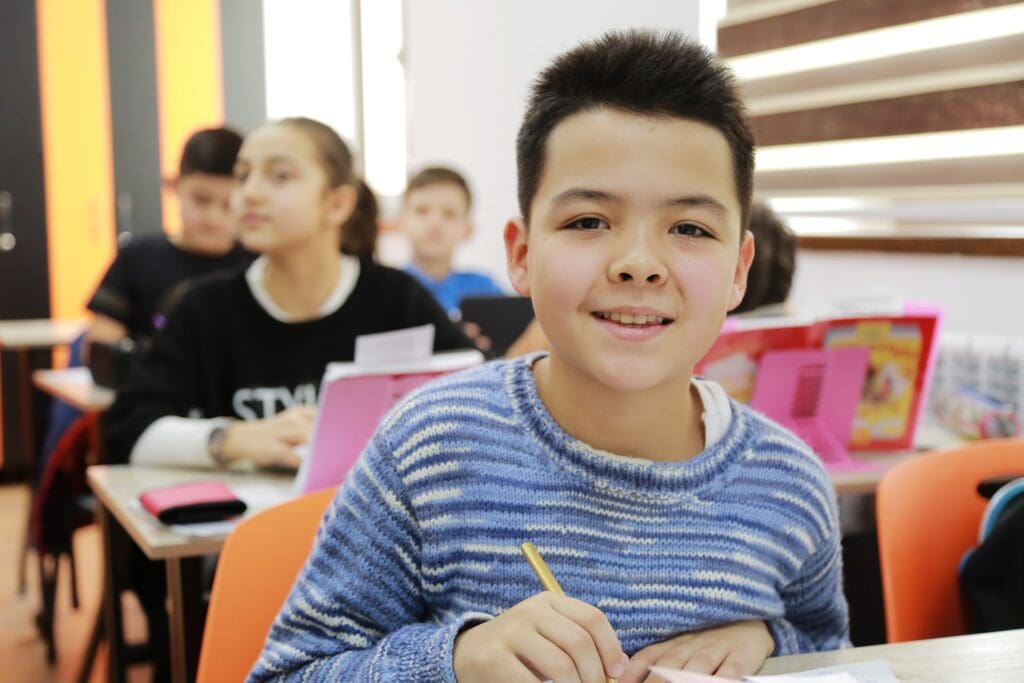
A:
435	219
688	530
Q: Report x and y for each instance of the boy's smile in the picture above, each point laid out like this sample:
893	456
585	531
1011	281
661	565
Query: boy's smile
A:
633	254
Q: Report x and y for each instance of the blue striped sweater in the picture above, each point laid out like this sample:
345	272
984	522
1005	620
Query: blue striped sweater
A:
423	536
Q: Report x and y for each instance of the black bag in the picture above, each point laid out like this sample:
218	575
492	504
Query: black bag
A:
992	574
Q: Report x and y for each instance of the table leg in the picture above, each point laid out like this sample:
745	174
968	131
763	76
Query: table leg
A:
111	597
186	614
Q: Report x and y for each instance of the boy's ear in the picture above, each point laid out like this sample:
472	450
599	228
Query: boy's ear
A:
515	255
739	279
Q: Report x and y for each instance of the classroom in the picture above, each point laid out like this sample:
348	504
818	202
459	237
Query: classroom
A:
422	340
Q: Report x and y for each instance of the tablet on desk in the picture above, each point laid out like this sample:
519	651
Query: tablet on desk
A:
502	318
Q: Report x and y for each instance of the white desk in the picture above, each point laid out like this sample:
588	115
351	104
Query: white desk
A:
38	333
985	657
117	488
75	387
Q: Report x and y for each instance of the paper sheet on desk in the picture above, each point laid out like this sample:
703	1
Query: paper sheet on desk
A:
874	671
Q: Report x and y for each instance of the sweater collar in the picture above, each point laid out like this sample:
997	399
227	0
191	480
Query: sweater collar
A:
625	475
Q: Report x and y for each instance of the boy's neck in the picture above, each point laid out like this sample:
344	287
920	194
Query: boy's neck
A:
300	282
435	269
662	424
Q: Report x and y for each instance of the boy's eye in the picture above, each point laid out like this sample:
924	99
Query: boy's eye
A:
280	176
690	230
588	223
240	175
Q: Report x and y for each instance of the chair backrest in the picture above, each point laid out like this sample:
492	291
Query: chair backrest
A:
928	512
257	567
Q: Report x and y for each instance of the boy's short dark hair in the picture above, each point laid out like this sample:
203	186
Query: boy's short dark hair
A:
434	175
641	72
211	151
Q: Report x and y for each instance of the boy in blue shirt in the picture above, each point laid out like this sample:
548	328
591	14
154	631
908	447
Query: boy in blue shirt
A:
686	529
435	219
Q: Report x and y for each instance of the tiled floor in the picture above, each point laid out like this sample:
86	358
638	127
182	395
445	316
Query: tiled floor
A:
22	653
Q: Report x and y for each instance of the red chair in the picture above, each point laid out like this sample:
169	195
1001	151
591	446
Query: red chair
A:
928	512
62	504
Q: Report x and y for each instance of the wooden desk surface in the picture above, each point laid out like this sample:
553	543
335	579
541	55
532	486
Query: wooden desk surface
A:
872	465
118	487
39	333
988	657
74	386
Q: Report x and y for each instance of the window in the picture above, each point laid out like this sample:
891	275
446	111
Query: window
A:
896	126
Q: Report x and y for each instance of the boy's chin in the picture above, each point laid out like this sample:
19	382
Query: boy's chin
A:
636	375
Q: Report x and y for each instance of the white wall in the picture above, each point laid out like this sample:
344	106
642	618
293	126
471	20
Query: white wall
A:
980	295
469	66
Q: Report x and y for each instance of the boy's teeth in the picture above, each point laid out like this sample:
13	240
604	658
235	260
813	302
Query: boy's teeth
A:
627	319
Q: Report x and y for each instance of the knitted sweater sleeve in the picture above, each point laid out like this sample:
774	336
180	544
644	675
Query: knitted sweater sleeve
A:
816	616
356	611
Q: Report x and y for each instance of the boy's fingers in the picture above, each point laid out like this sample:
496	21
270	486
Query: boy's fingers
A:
545	658
736	666
613	659
705	658
577	642
640	663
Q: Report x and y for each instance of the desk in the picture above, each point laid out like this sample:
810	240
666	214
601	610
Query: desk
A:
988	657
75	387
21	337
872	465
117	488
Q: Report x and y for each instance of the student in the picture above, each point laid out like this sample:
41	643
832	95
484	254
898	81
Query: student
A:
234	374
435	219
771	273
686	529
151	272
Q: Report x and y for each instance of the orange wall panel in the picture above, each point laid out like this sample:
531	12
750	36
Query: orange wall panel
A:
77	153
189	82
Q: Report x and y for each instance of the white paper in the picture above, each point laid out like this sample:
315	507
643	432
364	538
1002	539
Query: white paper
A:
874	671
399	346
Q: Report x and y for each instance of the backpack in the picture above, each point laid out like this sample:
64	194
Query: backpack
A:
992	573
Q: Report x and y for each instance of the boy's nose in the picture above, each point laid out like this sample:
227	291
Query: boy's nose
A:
637	264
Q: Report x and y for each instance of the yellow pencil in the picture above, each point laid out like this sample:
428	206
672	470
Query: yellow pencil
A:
540	568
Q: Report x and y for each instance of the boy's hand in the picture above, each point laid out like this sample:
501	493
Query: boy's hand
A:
271	441
544	637
731	651
473	331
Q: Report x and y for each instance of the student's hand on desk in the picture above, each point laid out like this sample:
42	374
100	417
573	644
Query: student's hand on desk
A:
272	441
547	636
731	651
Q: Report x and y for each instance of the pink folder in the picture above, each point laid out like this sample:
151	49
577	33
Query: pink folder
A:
353	399
814	393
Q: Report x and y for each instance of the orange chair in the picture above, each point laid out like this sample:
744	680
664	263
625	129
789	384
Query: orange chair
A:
928	512
256	570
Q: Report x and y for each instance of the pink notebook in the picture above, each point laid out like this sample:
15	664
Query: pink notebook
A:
814	393
353	399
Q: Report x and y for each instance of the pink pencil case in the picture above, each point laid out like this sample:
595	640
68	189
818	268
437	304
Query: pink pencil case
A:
193	502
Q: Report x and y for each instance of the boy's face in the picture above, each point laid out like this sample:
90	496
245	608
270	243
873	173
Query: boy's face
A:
634	254
205	215
435	219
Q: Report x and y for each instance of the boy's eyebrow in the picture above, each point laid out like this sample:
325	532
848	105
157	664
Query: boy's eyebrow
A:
702	201
575	194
